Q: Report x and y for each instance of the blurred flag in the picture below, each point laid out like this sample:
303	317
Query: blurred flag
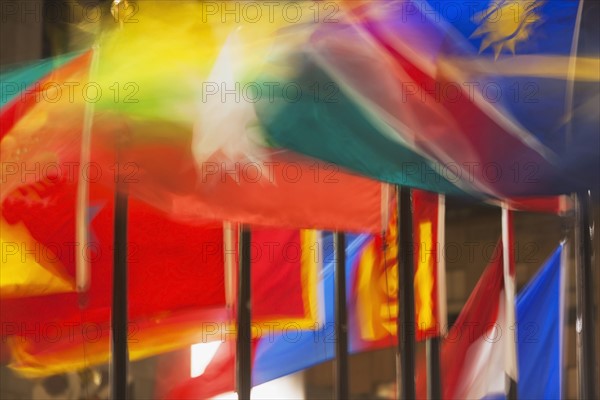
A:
473	354
430	269
176	281
34	144
286	290
175	284
530	47
444	107
375	281
282	353
541	319
371	268
41	81
180	161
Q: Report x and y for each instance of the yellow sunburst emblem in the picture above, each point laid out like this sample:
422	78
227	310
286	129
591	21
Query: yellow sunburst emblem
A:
505	23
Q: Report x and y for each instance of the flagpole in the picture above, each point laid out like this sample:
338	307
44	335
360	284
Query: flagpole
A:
341	317
585	299
405	356
120	356
434	376
509	273
244	318
119	319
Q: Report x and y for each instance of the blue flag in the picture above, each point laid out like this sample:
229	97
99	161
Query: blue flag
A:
525	37
540	318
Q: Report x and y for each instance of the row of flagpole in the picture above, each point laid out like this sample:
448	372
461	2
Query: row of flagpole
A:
405	365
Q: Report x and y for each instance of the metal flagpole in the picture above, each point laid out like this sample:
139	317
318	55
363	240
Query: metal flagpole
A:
585	299
341	324
119	319
120	356
434	377
244	318
405	357
509	272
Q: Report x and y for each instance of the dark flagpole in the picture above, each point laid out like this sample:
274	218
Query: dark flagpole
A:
405	357
120	352
120	355
434	377
244	318
585	300
512	389
341	325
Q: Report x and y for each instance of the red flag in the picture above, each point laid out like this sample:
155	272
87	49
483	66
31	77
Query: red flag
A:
175	283
285	295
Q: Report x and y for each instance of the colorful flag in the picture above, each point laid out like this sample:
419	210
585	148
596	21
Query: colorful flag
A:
424	117
176	281
282	353
473	354
504	65
42	81
165	115
530	48
285	286
33	149
286	301
371	268
167	176
375	279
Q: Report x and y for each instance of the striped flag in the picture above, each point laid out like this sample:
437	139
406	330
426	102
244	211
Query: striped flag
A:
473	354
376	299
